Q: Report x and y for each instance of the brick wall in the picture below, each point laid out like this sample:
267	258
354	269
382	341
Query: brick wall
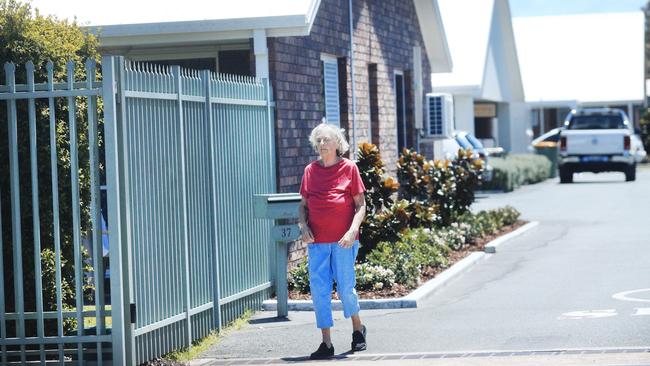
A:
385	33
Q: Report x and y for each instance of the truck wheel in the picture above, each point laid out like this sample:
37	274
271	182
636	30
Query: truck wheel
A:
566	175
630	174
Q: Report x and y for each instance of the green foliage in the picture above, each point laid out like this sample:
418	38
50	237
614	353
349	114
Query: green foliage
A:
515	170
399	257
26	37
368	277
440	190
644	123
414	250
373	278
385	218
490	222
467	174
298	278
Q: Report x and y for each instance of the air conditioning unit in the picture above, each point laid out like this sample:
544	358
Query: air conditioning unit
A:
440	114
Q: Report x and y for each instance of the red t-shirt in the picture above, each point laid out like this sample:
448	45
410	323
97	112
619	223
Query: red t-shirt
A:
329	194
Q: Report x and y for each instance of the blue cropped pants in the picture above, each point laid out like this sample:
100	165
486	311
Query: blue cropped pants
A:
329	262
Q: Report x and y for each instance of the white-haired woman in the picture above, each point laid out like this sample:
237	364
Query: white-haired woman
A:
331	212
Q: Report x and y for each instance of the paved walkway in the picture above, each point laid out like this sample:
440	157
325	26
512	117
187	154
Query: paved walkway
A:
595	357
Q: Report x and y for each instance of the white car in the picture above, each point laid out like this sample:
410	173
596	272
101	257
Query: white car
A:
550	136
597	140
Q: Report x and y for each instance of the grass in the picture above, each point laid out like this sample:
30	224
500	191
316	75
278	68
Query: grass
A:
90	322
201	345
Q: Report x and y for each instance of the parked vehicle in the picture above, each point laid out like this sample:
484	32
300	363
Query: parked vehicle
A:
552	136
596	140
468	141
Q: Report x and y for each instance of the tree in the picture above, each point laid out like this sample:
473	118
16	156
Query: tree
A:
28	36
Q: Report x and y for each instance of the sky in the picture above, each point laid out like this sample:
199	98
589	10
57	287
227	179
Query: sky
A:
523	8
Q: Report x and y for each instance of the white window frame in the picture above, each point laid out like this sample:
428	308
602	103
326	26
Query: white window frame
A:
400	73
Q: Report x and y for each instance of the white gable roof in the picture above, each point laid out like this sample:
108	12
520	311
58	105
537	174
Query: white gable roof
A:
124	23
586	58
479	34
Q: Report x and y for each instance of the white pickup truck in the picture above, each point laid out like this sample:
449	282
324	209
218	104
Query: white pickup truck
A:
596	140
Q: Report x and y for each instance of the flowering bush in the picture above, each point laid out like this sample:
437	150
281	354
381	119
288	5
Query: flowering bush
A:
373	278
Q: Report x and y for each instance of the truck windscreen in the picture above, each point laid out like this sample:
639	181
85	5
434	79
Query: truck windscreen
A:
596	122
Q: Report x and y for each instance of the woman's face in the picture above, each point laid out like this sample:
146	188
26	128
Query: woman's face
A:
326	145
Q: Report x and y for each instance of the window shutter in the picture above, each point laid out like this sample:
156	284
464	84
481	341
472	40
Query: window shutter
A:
331	88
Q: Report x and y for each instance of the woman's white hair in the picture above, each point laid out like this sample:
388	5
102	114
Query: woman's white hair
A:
333	132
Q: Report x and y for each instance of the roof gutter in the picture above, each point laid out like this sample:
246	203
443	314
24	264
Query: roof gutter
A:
354	99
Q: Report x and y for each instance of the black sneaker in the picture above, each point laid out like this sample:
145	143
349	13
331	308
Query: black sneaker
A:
323	352
359	340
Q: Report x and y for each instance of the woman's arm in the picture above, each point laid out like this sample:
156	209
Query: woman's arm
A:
305	231
359	213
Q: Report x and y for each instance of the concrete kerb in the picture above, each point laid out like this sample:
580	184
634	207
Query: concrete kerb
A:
491	247
415	298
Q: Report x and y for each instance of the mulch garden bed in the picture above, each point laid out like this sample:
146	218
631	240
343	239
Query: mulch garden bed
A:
454	256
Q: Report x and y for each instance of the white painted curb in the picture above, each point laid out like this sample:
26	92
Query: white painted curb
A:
423	292
491	247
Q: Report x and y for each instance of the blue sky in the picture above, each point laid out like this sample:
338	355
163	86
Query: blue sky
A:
520	8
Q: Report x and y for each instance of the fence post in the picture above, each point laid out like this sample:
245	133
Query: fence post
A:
19	306
216	280
122	334
176	71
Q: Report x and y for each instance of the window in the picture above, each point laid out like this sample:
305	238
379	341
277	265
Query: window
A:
193	64
373	103
331	90
237	62
400	111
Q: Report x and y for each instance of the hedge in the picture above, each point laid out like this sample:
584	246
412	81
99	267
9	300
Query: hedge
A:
514	170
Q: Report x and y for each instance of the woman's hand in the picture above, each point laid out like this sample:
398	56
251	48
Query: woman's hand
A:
348	239
306	234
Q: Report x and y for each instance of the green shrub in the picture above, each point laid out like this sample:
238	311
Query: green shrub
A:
415	250
399	257
438	191
373	278
644	123
486	223
298	278
369	277
508	215
467	174
515	170
385	218
27	36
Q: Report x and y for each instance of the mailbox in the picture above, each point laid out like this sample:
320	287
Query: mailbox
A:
280	206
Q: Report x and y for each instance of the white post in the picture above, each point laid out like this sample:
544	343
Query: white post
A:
419	94
261	54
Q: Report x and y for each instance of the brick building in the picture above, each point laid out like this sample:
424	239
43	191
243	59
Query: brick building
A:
312	79
372	83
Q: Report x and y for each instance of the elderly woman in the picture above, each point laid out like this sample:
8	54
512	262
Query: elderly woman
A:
331	211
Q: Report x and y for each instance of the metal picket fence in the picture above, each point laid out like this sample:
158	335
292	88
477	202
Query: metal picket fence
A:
182	154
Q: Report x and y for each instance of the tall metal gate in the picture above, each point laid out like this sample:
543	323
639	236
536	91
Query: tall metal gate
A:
185	152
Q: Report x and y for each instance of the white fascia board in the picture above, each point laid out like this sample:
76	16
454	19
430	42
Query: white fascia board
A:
552	103
200	26
311	14
198	31
433	35
470	90
608	102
